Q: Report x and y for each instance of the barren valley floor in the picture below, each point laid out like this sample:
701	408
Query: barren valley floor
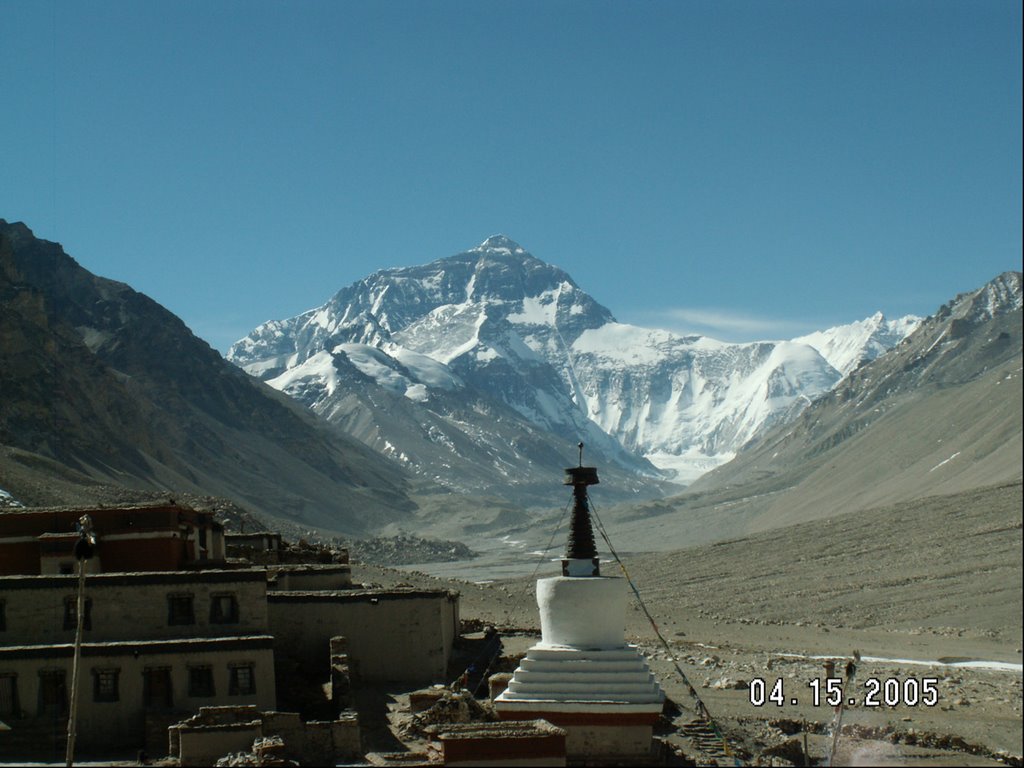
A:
938	580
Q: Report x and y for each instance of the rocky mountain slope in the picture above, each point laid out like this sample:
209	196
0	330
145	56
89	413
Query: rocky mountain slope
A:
941	413
439	355
102	388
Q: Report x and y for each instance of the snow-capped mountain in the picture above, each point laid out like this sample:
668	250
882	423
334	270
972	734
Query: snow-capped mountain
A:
938	414
848	346
499	330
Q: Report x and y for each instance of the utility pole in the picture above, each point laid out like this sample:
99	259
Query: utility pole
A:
84	549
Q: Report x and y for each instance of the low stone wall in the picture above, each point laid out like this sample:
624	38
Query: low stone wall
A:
204	738
204	744
306	578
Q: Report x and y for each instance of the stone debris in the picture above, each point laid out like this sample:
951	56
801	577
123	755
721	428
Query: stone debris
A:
267	751
726	683
405	549
450	707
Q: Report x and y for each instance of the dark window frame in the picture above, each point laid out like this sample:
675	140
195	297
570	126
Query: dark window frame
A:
148	674
200	681
217	616
106	685
71	613
59	689
3	615
235	680
181	609
14	704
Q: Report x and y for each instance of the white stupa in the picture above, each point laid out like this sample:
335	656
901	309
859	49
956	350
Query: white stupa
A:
582	676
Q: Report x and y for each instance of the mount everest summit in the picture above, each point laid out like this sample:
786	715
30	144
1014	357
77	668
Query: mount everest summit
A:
481	369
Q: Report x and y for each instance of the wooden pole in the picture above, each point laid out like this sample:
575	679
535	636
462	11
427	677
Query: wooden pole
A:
73	715
84	548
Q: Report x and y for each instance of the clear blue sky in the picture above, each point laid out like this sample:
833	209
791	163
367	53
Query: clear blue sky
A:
745	169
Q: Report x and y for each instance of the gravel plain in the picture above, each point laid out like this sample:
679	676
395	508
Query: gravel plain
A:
922	590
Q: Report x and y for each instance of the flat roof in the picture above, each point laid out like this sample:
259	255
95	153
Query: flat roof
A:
355	595
129	578
139	647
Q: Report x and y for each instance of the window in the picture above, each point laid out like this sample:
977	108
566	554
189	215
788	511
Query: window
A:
9	695
3	615
223	609
200	681
105	685
156	688
53	693
242	680
180	609
71	613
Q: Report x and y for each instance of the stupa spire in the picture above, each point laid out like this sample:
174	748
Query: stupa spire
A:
580	551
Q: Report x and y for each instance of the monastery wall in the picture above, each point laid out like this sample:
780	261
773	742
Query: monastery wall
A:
392	635
138	605
120	683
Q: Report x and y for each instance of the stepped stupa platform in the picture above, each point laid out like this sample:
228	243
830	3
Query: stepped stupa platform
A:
582	676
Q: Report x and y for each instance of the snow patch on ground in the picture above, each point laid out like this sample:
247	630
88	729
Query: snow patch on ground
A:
686	467
946	461
417	393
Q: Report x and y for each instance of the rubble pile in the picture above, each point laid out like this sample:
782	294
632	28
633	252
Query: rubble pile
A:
451	707
266	752
405	550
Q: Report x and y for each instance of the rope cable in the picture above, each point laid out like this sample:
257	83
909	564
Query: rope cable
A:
541	558
702	709
522	596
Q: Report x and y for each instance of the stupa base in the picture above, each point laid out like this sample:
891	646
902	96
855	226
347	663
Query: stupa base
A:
618	737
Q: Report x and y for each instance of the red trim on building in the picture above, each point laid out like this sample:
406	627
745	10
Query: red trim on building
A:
583	718
498	748
170	546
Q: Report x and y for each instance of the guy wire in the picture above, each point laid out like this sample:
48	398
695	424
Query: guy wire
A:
702	710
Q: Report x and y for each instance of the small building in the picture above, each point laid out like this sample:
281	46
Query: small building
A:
159	536
310	578
263	547
392	635
156	647
261	541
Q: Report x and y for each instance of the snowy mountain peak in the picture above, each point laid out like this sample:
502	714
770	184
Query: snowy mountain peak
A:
848	346
500	243
495	324
999	296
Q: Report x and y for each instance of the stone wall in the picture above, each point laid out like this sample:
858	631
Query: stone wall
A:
392	635
118	722
131	605
217	731
307	578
